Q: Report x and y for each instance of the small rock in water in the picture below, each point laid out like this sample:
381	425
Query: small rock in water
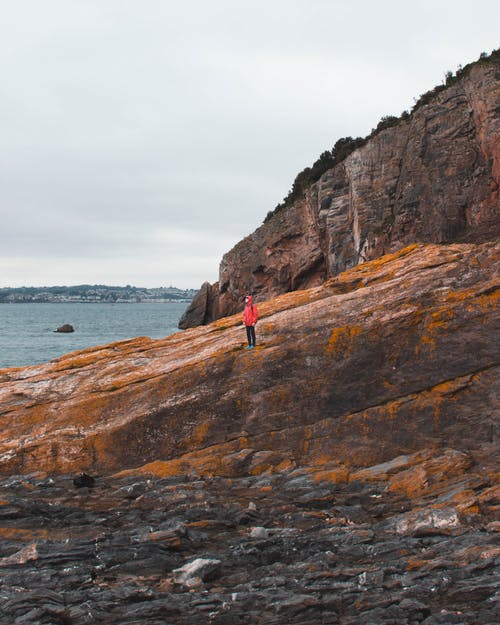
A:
65	329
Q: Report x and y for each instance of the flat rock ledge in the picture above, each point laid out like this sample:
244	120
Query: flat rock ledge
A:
410	541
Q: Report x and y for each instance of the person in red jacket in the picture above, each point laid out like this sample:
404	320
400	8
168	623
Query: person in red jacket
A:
250	316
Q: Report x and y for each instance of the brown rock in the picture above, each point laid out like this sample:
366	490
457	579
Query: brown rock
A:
66	328
201	310
21	557
434	177
391	357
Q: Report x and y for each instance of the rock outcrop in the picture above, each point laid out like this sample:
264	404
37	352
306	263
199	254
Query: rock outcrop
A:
201	309
434	177
344	472
388	358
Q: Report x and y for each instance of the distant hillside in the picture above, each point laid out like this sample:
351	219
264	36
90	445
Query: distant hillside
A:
96	293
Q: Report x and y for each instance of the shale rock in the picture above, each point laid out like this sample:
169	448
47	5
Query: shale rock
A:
178	553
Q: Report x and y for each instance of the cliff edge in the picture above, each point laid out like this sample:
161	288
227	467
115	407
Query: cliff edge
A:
433	177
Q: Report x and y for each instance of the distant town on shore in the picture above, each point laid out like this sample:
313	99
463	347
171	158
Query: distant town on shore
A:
86	293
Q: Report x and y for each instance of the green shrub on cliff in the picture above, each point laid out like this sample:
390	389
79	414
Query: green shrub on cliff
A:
308	176
451	78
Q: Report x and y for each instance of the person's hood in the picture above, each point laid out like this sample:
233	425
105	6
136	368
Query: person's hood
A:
248	300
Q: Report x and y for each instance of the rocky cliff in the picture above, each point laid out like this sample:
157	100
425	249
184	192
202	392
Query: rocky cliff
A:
344	472
433	177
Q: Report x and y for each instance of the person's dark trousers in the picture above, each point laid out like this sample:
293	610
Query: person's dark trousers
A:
251	336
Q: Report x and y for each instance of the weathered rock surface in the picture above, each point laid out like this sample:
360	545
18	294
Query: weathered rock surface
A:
393	356
433	178
344	472
184	550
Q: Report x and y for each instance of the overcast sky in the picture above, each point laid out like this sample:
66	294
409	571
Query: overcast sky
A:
141	139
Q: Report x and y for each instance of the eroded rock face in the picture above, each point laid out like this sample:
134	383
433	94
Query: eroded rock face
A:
382	360
299	546
202	308
433	178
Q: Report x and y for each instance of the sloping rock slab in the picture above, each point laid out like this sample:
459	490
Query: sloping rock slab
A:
388	358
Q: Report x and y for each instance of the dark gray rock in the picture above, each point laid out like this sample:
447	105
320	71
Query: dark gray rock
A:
117	554
65	328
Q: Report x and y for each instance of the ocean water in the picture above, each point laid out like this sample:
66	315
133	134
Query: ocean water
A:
27	334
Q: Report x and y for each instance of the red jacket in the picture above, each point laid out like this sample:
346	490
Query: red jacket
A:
250	314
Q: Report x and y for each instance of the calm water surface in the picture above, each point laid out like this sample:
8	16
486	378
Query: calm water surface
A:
27	334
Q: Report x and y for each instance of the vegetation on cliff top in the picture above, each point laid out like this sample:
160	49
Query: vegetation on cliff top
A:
346	145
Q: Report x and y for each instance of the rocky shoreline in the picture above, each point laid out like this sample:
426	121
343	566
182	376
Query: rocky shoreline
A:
299	546
344	472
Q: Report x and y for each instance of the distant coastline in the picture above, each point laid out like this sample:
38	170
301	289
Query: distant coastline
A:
92	294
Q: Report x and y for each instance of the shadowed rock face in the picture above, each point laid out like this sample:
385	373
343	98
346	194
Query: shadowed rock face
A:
393	356
201	310
433	178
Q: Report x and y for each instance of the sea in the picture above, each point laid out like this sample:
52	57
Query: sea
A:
28	337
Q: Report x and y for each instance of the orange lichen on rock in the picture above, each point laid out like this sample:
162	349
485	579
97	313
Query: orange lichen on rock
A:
24	535
340	475
341	339
438	322
430	473
200	433
344	377
386	259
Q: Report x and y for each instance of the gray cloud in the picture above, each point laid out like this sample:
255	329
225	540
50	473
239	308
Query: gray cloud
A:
142	139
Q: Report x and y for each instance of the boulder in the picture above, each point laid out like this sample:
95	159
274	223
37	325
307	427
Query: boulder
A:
65	329
193	573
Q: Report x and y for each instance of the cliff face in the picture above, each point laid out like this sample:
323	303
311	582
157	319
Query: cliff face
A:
391	357
432	178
